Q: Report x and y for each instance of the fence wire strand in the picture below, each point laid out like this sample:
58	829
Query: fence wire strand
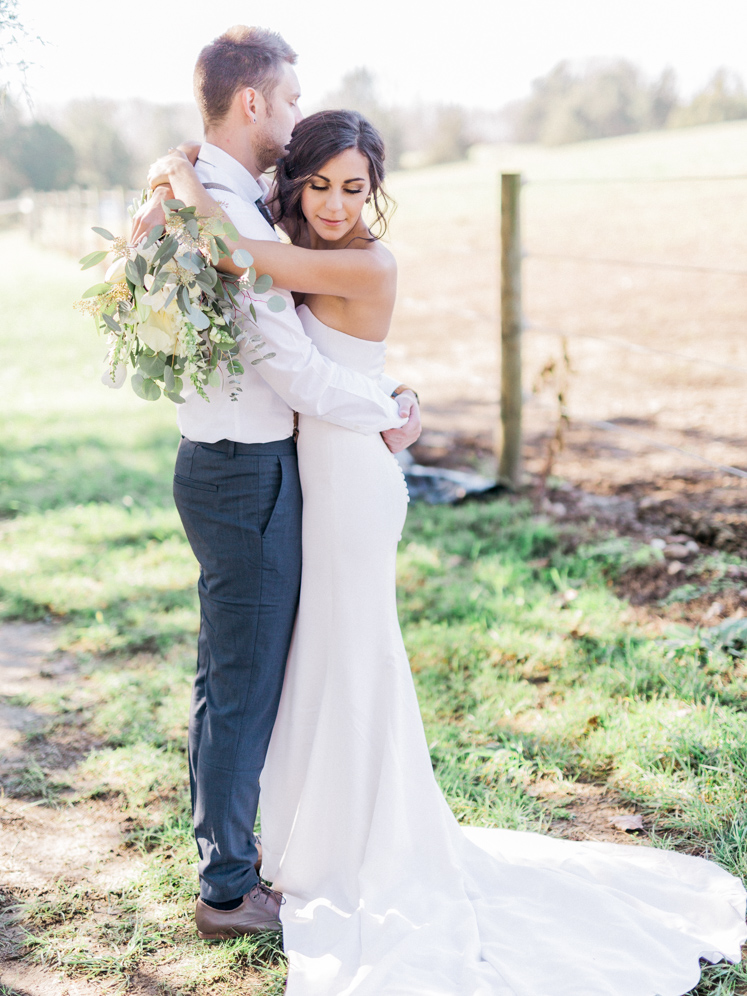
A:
687	267
561	181
633	347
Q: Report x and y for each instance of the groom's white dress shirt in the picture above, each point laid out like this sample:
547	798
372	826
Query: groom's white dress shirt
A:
298	378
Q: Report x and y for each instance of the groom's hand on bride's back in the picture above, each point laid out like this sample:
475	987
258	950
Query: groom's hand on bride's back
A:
400	439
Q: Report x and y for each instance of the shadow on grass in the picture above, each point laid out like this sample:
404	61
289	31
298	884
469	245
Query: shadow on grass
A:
56	464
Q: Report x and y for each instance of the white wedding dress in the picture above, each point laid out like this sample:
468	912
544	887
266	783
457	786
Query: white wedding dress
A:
385	892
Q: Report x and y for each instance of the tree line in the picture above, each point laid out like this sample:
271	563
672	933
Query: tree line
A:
104	143
601	99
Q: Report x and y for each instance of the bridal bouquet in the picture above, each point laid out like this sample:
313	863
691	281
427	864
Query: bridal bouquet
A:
166	310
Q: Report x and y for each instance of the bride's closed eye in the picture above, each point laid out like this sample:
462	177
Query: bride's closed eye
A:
345	190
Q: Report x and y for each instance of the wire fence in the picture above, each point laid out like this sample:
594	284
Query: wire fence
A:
617	343
63	219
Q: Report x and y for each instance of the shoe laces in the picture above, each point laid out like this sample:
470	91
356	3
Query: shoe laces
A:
266	893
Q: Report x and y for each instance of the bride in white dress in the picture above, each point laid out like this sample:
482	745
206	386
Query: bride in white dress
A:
385	893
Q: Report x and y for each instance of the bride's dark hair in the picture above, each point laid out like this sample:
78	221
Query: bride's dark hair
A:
317	139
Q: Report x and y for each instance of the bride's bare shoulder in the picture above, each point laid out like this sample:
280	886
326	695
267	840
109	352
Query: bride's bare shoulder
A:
382	257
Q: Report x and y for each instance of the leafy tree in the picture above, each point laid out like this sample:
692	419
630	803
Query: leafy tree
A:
449	139
32	155
103	158
44	156
598	100
723	98
357	92
13	33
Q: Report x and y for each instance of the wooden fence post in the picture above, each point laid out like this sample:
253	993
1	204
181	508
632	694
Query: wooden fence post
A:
509	467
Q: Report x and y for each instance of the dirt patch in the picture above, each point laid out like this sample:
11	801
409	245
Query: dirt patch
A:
588	812
47	836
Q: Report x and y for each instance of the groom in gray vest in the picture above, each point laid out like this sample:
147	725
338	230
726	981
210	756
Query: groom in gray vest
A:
237	490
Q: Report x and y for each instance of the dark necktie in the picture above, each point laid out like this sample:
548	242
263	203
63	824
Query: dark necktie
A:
262	208
259	203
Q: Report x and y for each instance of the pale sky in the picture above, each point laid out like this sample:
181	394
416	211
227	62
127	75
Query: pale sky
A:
481	53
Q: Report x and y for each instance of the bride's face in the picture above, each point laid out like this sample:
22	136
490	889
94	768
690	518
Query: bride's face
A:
333	198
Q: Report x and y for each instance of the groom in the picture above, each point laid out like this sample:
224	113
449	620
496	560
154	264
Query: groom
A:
237	490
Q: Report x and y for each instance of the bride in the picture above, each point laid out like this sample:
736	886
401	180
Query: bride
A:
385	893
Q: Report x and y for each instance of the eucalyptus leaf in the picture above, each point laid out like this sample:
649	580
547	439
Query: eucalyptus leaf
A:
111	323
174	205
159	282
175	397
263	283
253	311
214	253
242	258
141	264
213	378
230	231
104	233
222	247
97	289
166	250
182	299
152	366
198	318
93	258
153	236
170	298
276	304
132	272
204	280
169	379
235	368
193	228
145	388
187	261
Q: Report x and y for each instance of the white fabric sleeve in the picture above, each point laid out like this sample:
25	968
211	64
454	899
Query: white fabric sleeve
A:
305	379
388	384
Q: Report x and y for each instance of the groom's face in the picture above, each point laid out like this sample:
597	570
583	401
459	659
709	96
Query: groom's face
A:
277	119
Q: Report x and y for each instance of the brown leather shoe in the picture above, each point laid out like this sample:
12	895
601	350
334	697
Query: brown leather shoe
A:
259	910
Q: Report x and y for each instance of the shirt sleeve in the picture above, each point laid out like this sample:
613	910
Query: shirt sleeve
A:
305	379
388	384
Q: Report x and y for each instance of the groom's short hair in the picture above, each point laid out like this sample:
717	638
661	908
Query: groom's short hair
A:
241	57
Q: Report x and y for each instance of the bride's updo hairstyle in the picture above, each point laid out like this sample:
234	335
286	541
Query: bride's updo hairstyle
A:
319	138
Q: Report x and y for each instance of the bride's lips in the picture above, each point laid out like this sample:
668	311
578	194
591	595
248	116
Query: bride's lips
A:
331	223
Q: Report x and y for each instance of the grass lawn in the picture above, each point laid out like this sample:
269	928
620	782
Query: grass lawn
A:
536	684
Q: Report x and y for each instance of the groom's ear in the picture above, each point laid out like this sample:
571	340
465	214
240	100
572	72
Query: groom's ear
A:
249	99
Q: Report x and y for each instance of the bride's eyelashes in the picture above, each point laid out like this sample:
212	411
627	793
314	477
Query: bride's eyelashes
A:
359	190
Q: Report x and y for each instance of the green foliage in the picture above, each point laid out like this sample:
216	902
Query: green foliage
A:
603	99
600	100
723	98
357	92
103	159
168	312
32	155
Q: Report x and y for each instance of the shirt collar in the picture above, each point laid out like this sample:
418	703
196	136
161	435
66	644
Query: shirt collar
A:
241	180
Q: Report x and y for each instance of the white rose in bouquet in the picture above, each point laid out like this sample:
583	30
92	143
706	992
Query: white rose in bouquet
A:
161	330
116	272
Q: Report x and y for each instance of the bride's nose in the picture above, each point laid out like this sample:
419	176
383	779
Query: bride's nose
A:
334	201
